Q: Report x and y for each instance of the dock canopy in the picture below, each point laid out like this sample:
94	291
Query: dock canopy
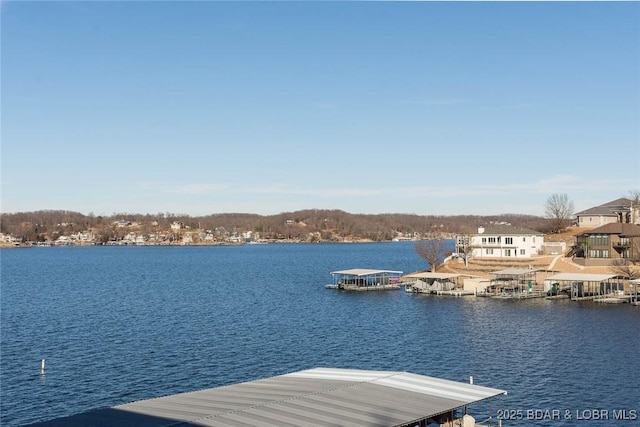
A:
431	282
514	280
315	397
363	279
585	285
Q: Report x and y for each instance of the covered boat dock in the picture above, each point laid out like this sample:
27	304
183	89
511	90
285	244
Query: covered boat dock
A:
363	279
515	283
315	398
586	286
635	291
435	283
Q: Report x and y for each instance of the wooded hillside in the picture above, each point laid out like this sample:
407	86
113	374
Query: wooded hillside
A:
304	225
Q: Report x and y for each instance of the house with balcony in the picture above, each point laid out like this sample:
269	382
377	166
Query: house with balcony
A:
505	241
616	211
604	245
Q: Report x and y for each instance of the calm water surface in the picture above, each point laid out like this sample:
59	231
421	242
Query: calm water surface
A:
118	324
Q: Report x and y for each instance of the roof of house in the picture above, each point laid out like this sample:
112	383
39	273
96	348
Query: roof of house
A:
623	229
314	397
608	209
508	229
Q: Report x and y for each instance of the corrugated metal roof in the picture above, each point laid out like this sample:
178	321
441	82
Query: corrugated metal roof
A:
315	397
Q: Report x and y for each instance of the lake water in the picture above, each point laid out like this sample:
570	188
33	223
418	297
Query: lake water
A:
118	324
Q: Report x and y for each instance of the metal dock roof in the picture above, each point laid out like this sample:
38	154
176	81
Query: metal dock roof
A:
582	277
314	397
364	272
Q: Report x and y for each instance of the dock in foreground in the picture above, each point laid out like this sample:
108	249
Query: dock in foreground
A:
315	397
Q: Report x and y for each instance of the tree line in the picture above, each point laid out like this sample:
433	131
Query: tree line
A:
303	225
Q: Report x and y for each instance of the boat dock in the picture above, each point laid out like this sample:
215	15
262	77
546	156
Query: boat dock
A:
362	279
313	398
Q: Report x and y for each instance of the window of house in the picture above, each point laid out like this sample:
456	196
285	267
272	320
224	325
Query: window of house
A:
508	240
484	240
599	253
492	239
489	251
522	252
599	240
507	252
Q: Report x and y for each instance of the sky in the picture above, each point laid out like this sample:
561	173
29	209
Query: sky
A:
428	108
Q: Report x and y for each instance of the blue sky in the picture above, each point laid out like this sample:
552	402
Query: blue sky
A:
432	108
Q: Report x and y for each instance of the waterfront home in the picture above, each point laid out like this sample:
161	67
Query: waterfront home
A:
505	241
607	244
616	211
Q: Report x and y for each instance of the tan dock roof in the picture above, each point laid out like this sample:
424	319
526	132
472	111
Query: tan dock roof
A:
316	397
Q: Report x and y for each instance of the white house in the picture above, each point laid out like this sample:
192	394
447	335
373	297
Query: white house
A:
505	241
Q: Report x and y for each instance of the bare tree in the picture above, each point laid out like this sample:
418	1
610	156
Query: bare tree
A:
433	251
558	210
625	268
634	195
463	247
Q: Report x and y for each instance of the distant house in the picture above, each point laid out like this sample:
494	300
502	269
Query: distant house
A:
616	211
505	241
610	242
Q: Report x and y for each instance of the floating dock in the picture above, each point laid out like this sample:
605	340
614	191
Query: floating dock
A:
364	279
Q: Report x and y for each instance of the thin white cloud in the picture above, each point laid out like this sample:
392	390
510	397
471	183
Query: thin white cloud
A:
560	183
